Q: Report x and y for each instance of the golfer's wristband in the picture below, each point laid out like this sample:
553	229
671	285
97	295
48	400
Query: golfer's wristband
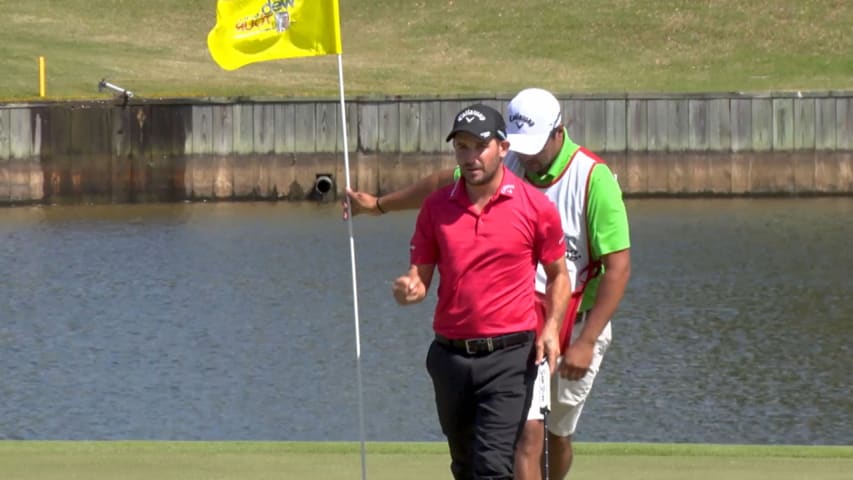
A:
379	207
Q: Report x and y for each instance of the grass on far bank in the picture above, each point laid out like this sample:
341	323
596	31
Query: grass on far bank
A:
31	460
157	48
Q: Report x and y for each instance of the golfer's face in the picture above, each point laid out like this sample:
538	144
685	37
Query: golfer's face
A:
478	159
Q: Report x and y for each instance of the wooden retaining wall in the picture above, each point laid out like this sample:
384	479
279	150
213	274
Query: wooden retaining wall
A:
786	143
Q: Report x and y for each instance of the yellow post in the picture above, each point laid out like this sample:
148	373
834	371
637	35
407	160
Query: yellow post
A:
41	76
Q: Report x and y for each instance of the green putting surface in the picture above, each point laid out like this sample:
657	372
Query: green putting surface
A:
30	460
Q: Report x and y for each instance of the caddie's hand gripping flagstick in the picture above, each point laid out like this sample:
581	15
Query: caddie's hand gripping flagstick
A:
544	380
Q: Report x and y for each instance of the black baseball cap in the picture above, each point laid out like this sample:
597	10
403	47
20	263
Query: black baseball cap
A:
479	120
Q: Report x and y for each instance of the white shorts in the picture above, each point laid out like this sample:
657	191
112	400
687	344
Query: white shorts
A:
567	396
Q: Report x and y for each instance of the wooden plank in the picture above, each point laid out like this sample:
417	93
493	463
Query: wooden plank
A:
179	171
90	131
59	135
223	177
657	124
198	174
5	154
741	121
5	133
637	171
431	137
574	115
804	123
223	129
410	125
55	161
20	133
658	170
140	139
121	167
351	110
327	114
805	168
617	136
18	174
637	126
720	173
5	181
830	169
595	125
140	147
741	172
155	172
245	175
389	127
368	129
783	124
244	129
698	127
448	111
304	127
844	122
36	184
679	120
719	126
264	128
38	126
762	126
180	118
203	135
772	174
283	138
825	124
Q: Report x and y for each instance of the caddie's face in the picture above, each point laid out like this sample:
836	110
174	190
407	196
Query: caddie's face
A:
540	162
478	159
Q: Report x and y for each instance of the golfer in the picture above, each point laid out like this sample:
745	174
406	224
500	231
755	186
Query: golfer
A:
486	232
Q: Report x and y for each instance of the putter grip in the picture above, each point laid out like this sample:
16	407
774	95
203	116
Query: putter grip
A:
544	380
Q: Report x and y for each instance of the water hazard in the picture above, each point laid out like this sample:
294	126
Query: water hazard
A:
236	322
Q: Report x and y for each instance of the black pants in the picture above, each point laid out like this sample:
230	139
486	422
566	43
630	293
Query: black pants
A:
482	403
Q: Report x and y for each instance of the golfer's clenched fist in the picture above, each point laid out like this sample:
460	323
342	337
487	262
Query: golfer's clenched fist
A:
409	289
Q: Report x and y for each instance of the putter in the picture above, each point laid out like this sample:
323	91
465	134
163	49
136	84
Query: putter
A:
545	402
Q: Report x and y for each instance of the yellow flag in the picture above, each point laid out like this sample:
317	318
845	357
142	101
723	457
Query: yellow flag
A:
249	31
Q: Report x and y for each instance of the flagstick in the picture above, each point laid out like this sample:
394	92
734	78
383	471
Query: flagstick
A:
352	265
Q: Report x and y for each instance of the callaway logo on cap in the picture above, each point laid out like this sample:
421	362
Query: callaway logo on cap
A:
481	121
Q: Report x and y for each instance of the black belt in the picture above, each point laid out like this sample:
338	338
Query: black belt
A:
476	346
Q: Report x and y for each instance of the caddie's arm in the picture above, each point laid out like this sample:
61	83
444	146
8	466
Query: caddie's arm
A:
412	287
406	198
611	288
557	292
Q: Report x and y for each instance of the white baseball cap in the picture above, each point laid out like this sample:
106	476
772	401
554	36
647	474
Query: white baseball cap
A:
531	117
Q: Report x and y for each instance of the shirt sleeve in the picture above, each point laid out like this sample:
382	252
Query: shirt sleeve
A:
608	219
551	242
423	248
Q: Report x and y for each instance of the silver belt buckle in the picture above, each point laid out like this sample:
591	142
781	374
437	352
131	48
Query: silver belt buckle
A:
472	342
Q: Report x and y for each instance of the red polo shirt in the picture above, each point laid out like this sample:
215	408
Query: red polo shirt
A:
487	260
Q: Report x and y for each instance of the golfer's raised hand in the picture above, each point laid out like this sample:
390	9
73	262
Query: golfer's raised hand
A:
409	289
577	359
360	202
548	346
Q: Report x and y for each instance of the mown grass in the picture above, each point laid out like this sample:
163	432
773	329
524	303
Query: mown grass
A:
157	48
31	460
